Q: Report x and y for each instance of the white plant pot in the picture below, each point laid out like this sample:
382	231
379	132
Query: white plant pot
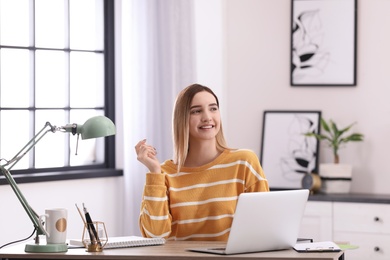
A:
335	178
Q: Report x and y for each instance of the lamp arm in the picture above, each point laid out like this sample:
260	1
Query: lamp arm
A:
30	212
30	145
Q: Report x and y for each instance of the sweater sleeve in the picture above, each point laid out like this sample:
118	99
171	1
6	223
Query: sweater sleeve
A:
155	219
256	179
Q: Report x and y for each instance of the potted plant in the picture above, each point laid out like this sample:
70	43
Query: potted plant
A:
336	177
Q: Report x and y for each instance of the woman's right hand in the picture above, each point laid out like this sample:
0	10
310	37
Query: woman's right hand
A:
146	154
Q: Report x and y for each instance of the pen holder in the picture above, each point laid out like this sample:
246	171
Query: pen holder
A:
94	236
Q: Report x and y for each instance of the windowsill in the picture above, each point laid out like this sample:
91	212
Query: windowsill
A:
65	175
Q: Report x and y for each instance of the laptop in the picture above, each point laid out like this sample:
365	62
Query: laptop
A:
264	221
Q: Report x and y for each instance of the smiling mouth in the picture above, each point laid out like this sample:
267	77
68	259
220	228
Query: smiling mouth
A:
206	127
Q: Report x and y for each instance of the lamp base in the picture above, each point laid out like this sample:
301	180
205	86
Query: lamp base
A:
48	248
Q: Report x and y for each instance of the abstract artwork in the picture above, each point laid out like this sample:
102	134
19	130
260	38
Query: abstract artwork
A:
286	153
323	43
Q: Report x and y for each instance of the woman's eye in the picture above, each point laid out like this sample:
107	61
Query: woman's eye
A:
195	111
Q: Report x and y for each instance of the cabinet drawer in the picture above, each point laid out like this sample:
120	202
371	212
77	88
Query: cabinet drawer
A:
317	221
371	246
361	217
318	208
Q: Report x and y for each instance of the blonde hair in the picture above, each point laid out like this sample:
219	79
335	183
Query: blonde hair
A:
181	114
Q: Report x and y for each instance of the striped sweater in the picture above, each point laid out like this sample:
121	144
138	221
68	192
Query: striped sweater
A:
198	203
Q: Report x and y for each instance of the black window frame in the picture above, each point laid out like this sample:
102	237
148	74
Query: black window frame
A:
108	168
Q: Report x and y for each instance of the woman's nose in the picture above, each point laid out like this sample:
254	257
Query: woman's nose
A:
206	117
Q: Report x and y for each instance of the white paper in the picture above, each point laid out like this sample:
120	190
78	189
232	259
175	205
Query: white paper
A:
317	246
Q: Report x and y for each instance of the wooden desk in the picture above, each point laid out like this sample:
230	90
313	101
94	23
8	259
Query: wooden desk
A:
171	250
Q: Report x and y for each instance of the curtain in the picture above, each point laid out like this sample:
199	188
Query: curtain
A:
155	48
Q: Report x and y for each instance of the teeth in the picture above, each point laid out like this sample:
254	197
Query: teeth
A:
208	127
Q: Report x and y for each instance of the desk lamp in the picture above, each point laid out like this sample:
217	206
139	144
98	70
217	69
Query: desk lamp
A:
98	126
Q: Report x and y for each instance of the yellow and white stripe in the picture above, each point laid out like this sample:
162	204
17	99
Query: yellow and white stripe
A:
199	203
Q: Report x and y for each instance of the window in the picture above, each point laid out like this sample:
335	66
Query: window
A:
56	65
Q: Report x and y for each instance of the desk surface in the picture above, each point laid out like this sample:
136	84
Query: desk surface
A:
171	250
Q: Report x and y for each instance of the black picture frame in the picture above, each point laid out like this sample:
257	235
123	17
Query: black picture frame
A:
323	42
286	154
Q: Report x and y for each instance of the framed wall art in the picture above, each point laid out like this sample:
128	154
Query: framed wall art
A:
286	153
323	42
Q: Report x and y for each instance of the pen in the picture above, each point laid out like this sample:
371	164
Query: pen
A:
91	228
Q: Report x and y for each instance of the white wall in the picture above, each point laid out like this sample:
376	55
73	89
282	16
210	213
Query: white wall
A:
102	196
257	77
210	48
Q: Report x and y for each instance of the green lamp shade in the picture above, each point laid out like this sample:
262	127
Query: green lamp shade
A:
98	126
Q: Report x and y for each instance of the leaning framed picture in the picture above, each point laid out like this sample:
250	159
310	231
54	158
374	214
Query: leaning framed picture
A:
323	42
286	153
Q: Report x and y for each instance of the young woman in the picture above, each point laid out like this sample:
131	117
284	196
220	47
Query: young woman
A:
194	196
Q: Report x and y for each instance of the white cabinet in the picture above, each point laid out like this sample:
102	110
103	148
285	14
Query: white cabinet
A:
366	225
317	221
370	246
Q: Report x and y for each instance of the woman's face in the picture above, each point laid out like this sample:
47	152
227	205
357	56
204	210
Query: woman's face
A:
204	123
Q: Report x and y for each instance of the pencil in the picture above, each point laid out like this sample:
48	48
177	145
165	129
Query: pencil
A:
81	215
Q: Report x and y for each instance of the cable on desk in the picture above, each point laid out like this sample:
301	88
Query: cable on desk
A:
17	241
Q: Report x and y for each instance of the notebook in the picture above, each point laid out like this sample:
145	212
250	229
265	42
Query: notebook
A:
127	241
264	221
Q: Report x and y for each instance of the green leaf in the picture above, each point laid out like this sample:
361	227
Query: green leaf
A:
325	125
333	136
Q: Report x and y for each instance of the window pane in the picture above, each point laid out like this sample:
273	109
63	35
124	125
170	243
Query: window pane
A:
51	79
86	79
14	136
15	78
86	23
51	149
51	70
90	151
14	22
50	23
